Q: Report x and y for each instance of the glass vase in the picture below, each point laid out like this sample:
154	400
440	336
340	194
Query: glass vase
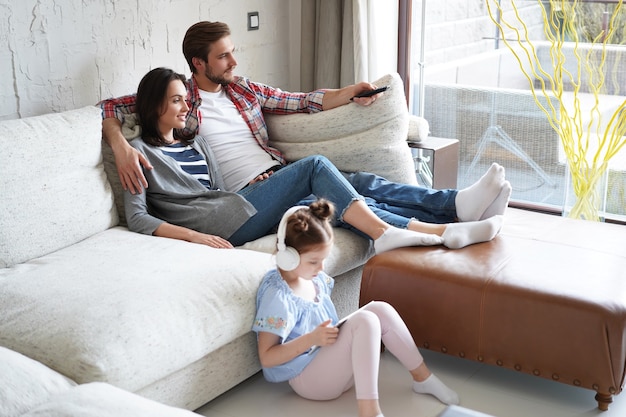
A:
586	194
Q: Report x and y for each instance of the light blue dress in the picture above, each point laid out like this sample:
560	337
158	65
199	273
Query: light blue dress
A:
281	312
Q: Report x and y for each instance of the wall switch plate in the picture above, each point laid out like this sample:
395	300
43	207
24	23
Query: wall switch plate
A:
253	21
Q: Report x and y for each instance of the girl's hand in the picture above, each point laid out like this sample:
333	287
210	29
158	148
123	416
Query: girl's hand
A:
325	335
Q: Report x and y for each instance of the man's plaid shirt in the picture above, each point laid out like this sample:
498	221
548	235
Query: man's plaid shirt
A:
251	100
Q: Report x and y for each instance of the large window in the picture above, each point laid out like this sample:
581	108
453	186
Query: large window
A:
469	86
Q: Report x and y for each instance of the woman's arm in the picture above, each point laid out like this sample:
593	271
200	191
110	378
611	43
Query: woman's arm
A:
182	233
273	353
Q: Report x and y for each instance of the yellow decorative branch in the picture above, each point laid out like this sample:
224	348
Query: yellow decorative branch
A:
588	148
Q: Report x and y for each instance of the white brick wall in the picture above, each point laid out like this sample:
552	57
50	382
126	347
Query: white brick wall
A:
64	54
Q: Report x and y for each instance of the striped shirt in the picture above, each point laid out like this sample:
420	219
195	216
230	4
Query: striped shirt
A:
190	160
250	98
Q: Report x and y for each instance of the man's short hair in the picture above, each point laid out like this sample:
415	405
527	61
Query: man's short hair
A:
198	39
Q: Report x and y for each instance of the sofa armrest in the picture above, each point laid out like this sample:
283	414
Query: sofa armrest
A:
353	137
418	129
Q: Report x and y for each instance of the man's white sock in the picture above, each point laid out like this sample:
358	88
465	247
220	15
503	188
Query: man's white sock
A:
459	235
501	202
471	202
433	386
395	237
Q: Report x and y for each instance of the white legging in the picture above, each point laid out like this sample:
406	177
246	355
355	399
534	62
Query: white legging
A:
355	357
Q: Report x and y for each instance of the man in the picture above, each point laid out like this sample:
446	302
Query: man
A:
228	111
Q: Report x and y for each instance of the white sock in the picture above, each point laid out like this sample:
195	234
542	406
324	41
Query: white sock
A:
459	235
471	202
433	386
500	203
395	237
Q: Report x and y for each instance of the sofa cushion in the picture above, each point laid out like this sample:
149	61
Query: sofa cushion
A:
352	136
63	189
26	383
103	400
126	308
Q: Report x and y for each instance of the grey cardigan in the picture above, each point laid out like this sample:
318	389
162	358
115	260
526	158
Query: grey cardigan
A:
175	197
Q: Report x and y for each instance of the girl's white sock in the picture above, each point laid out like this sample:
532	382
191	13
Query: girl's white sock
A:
471	202
433	386
395	237
459	235
500	203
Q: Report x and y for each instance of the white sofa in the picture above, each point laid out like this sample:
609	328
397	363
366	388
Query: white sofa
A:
165	319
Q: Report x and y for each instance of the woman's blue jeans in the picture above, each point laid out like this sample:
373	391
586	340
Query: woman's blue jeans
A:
314	175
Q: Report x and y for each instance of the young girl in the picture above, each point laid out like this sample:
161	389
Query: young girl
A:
295	315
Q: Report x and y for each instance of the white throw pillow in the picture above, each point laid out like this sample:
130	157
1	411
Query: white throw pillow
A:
54	189
355	138
26	383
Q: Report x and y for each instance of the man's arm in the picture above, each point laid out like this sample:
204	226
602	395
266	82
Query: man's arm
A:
127	159
341	96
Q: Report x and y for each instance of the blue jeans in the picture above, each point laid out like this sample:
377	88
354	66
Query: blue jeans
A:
288	187
397	203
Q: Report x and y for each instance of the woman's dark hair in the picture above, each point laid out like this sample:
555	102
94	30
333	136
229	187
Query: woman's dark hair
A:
307	229
198	39
151	95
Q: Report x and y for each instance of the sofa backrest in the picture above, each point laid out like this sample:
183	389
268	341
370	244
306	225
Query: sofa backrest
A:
53	188
355	138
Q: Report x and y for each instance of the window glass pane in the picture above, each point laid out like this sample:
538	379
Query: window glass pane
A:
469	85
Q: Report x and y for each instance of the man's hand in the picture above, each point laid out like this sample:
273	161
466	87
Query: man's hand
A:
129	162
342	96
261	177
365	101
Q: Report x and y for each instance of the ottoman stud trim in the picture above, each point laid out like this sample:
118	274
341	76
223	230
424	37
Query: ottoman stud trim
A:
555	377
518	367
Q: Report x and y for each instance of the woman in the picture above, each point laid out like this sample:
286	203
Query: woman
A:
185	198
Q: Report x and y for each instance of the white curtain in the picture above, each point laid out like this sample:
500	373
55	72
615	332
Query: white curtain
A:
347	41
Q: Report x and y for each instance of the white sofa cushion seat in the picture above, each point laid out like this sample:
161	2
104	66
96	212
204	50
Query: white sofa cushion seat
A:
128	309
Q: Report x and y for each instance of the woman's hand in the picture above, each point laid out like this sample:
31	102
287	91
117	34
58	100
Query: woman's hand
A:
211	240
182	233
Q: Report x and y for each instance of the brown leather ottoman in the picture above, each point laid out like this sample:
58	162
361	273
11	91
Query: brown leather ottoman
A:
546	297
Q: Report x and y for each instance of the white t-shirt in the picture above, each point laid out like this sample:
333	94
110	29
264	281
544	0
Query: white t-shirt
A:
238	153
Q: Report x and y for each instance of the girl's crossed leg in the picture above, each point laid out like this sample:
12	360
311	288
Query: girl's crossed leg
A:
354	360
